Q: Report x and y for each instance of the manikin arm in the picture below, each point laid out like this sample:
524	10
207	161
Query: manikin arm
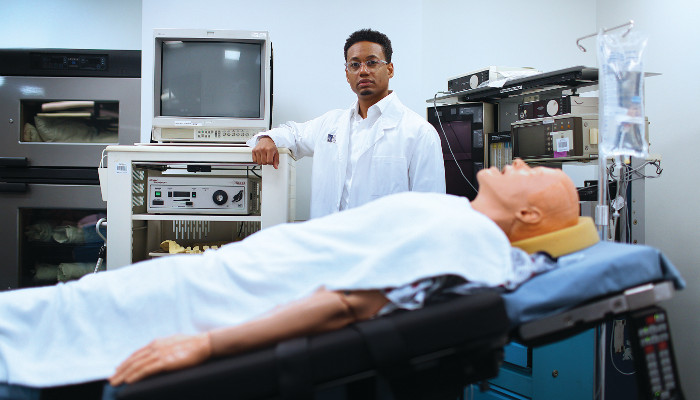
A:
321	312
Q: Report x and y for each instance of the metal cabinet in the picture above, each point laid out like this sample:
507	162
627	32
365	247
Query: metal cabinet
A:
134	234
60	109
562	370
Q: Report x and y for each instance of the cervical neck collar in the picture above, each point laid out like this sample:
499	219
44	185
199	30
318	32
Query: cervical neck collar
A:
563	241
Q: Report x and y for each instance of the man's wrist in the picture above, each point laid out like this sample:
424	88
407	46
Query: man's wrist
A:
265	136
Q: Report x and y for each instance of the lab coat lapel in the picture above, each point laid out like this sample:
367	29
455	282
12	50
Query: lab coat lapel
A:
388	120
342	134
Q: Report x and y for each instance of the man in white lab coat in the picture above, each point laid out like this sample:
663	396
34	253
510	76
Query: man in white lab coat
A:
375	148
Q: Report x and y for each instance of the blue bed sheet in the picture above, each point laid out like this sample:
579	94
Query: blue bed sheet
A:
602	269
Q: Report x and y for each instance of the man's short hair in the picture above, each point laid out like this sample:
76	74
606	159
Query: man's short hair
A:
368	35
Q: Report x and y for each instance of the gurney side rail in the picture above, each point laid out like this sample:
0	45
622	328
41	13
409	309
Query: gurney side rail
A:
577	319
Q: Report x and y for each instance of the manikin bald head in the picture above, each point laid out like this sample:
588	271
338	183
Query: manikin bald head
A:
527	202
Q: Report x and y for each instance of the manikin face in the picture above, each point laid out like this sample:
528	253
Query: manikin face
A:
522	198
516	180
369	84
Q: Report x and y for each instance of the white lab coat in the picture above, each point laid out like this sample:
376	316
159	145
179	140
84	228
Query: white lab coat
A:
402	153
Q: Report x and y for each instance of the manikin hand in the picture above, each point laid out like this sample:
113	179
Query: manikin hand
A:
323	311
171	353
266	153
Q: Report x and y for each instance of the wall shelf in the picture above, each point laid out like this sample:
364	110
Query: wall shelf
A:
195	217
568	78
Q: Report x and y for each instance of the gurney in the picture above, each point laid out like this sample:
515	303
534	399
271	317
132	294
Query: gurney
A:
434	352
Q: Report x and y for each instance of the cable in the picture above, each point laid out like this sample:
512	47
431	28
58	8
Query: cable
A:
616	210
627	175
102	158
442	129
599	363
252	169
612	360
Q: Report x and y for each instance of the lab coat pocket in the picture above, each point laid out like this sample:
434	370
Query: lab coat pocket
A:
326	150
388	175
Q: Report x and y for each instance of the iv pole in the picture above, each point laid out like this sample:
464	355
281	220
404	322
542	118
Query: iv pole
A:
602	210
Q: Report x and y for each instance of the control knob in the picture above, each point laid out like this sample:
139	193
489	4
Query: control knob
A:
220	197
552	108
473	81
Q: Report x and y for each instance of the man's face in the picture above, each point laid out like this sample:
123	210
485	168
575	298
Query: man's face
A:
369	84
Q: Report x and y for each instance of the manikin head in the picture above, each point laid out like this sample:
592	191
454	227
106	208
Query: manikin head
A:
527	202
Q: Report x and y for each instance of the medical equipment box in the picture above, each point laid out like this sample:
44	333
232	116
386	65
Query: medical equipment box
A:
203	195
560	138
563	105
657	374
204	135
472	80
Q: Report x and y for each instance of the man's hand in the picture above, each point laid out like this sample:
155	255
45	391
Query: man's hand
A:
172	353
265	152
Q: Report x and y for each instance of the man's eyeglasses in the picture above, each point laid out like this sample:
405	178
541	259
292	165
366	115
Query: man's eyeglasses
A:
355	66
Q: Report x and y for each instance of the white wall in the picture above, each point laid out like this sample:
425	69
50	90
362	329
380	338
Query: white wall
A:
672	212
463	36
74	24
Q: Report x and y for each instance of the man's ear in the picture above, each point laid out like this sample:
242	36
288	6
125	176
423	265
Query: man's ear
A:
529	215
390	68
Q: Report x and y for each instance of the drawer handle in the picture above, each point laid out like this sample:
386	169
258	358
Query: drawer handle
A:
13	162
13	187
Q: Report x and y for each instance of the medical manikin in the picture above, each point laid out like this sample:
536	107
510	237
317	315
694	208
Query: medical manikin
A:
282	282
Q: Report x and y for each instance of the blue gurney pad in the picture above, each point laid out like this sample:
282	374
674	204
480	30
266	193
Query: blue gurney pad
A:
600	270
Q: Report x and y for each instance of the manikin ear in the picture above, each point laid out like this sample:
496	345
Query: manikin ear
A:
529	215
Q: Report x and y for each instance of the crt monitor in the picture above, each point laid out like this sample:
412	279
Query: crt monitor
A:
211	85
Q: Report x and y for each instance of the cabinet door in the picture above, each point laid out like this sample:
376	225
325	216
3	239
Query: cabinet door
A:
67	121
48	234
561	370
565	369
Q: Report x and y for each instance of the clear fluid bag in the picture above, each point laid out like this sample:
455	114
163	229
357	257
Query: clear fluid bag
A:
621	94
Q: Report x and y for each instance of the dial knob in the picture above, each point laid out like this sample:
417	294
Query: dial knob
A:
220	197
552	108
473	81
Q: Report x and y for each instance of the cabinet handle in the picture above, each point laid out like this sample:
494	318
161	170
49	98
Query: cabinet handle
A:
13	187
13	162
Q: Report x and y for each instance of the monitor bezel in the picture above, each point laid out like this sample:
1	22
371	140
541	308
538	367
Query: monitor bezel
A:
201	35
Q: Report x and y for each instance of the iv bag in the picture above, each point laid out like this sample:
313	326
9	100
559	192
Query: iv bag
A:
621	95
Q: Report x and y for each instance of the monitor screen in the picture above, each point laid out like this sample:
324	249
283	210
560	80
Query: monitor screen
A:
459	137
211	79
530	141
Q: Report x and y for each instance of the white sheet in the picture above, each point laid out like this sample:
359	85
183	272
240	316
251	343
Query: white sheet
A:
82	330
